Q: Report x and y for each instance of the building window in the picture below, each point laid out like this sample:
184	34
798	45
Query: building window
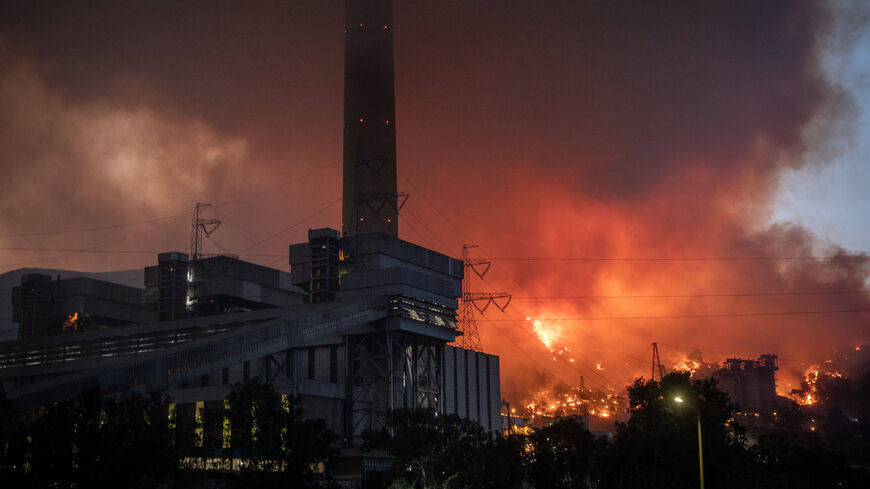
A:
333	364
170	416
226	376
246	371
477	385
455	383
311	363
490	422
289	358
204	380
465	369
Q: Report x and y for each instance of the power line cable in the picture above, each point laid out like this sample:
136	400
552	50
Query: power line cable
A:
84	230
418	233
524	351
226	218
70	251
275	187
687	296
572	365
423	196
536	340
698	316
446	249
125	252
699	259
450	222
288	228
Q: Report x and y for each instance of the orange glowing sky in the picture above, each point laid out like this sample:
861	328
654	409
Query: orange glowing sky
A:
654	132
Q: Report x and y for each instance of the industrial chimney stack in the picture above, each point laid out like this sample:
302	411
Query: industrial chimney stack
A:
371	201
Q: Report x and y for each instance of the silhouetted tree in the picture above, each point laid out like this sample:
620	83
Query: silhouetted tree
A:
444	451
267	430
658	445
559	455
791	465
94	441
13	444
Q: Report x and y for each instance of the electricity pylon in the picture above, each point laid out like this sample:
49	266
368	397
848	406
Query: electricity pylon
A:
200	228
470	338
657	367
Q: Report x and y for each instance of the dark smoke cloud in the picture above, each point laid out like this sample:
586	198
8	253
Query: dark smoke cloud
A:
581	129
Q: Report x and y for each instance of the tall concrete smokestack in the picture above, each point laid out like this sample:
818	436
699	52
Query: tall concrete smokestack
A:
370	198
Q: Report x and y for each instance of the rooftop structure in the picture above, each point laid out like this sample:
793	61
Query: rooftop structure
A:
215	285
44	307
751	384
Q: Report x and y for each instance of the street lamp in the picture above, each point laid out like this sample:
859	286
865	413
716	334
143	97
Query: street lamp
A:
679	400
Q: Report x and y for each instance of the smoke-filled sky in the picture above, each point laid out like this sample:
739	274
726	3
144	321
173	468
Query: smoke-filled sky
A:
681	155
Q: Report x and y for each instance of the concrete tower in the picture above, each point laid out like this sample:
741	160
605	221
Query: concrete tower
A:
370	198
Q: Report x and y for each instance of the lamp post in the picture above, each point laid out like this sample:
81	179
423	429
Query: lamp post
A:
679	400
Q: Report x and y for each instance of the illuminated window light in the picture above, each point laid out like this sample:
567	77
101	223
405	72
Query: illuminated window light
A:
171	423
198	430
385	27
361	119
226	439
388	122
255	421
285	404
360	25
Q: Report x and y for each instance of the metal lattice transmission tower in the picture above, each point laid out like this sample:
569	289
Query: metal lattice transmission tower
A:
657	369
470	338
200	228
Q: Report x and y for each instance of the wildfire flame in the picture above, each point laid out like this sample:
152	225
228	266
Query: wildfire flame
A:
548	334
576	401
556	402
71	324
808	394
687	365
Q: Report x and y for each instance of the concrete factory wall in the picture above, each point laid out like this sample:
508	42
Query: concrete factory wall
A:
472	386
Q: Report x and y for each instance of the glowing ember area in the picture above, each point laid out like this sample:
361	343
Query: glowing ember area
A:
71	324
575	401
815	378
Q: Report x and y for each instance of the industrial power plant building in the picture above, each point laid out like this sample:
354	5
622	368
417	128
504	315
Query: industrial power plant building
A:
359	326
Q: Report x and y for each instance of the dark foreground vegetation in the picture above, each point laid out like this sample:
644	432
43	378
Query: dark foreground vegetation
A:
656	448
134	442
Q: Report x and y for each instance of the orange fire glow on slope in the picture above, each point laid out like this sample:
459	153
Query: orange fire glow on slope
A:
808	394
574	401
687	365
724	307
562	399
